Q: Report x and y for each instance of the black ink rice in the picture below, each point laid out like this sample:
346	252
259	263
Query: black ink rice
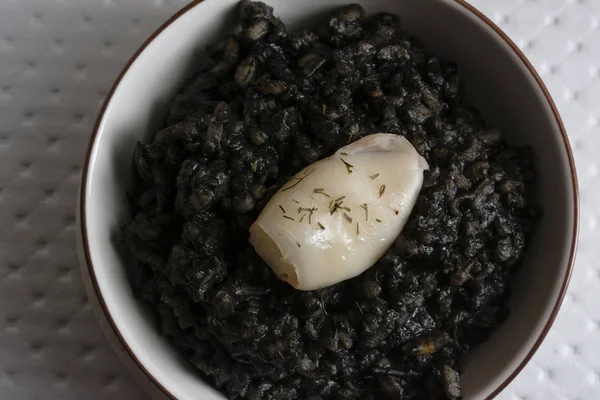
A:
268	103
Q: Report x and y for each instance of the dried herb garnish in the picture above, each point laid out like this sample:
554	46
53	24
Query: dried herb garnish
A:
321	191
335	207
350	137
374	176
281	208
323	305
302	218
312	210
365	207
377	219
381	190
298	180
254	165
290	218
348	218
357	229
321	226
359	308
349	166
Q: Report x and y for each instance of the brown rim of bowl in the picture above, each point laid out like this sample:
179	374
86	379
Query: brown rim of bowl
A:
468	7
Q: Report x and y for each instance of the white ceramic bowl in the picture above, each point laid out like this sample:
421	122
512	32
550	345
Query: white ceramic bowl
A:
500	82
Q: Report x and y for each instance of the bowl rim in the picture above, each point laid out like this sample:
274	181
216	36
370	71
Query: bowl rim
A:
82	201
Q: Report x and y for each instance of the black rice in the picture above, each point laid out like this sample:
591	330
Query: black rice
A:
266	104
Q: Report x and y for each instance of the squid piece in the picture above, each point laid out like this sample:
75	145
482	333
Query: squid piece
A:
335	218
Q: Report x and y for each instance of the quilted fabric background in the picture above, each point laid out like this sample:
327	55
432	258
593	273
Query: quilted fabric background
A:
58	59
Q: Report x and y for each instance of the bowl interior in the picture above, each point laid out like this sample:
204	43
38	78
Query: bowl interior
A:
498	83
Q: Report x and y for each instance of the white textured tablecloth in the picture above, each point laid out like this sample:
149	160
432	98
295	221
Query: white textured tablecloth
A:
58	59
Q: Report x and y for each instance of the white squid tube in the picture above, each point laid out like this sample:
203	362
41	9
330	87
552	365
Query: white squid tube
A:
335	218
